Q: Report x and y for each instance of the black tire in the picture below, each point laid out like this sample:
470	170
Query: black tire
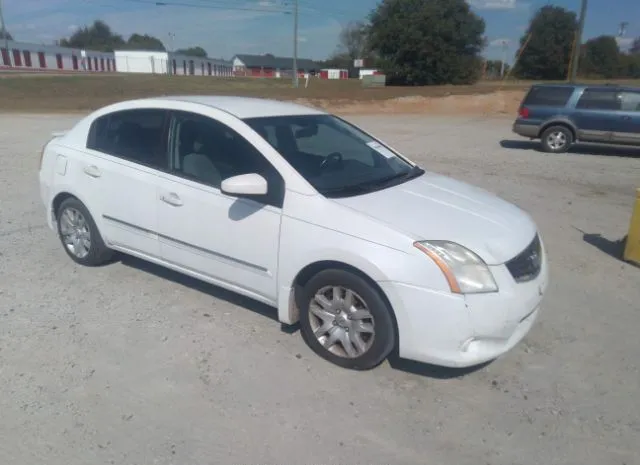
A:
384	336
98	253
566	139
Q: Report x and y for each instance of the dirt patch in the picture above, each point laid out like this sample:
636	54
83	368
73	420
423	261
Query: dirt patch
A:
499	103
82	93
44	93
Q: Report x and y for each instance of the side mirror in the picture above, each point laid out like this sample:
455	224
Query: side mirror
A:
244	184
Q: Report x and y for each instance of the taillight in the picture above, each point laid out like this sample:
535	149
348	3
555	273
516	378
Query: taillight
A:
523	112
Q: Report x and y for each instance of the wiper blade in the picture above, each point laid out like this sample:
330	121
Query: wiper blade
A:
352	189
369	186
412	173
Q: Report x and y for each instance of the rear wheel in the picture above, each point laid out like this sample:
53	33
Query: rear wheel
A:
556	139
344	320
79	234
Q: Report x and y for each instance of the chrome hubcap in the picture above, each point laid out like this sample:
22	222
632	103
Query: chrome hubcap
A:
341	322
75	232
557	140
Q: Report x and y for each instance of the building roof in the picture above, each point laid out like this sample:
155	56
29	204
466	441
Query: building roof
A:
172	55
247	107
34	48
273	62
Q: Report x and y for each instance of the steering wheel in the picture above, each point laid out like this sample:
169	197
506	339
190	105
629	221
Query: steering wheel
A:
334	157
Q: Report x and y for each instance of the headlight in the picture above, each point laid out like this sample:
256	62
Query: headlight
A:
466	273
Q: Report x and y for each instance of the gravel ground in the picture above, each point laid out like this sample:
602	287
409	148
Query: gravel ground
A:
129	364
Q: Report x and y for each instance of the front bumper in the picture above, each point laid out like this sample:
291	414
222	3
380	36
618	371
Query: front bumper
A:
461	331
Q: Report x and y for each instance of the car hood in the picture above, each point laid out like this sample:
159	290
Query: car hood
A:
435	207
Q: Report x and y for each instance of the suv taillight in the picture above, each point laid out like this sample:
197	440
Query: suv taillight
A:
523	112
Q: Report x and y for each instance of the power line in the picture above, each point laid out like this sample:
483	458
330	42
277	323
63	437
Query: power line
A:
312	6
208	6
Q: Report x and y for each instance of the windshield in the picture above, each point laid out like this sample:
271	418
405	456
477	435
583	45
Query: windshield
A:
335	157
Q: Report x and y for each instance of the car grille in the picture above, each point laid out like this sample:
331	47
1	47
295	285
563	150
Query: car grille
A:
527	264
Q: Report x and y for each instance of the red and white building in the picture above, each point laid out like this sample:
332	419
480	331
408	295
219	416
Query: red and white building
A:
334	73
21	56
269	66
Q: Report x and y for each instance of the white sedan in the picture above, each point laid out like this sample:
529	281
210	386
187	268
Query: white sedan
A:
301	210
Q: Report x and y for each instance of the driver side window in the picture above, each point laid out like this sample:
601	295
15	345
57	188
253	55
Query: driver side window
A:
207	151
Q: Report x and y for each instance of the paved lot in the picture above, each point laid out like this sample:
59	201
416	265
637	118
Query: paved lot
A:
128	364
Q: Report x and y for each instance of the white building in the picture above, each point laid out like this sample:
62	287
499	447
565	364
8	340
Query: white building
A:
149	62
21	56
367	72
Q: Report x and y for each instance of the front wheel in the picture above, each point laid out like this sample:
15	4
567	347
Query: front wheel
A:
344	320
556	139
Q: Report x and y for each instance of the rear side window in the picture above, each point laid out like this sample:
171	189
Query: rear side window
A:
135	135
548	96
630	101
599	99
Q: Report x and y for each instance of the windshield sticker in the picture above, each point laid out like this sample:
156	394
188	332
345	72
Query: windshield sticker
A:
381	149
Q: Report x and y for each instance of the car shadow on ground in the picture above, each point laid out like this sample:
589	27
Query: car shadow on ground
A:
614	249
206	288
408	366
578	149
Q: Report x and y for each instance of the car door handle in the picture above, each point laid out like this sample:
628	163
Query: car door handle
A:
171	199
92	171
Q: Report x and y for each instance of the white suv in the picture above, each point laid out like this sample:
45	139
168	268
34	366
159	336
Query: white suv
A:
303	211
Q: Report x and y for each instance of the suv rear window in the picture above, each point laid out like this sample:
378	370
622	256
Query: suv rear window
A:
599	99
548	96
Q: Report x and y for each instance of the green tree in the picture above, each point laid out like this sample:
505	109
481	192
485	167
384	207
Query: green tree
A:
635	47
600	58
340	61
424	43
493	68
145	42
4	34
97	37
547	54
192	52
630	65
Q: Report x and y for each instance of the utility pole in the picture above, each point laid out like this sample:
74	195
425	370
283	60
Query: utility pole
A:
578	43
505	46
169	55
623	28
4	32
295	43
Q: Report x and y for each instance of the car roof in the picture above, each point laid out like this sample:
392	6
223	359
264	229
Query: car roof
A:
582	85
245	107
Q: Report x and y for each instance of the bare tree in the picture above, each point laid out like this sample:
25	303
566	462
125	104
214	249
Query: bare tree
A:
353	40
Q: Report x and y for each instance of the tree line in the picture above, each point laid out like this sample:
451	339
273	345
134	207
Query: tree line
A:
441	42
101	38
